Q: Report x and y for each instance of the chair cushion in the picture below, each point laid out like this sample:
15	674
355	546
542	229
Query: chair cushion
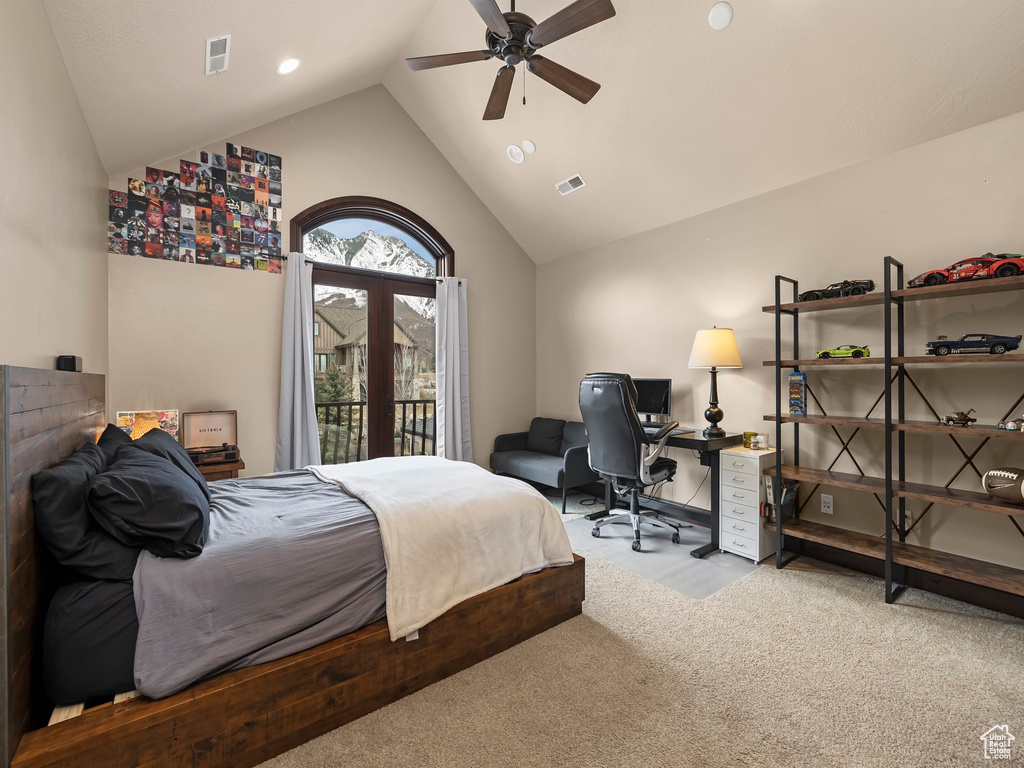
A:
662	469
144	500
529	465
545	436
65	525
573	435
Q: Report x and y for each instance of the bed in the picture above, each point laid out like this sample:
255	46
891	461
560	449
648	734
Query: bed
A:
238	718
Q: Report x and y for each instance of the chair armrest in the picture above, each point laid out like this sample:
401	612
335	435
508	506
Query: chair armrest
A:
576	468
661	438
514	441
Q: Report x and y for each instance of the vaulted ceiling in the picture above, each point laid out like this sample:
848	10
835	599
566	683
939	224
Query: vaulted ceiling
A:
688	119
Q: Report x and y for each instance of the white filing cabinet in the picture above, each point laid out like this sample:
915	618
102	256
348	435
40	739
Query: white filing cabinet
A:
742	491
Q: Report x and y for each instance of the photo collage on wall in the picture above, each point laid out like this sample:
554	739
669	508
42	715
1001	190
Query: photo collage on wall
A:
222	210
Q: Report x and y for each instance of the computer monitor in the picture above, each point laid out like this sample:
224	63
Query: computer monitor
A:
653	397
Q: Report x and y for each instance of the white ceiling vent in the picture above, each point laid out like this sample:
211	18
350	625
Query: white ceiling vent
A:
570	185
217	49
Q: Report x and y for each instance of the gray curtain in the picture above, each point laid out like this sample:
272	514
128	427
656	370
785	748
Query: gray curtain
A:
452	411
298	443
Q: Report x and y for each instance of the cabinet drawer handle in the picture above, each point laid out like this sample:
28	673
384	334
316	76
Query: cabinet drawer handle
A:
737	544
737	463
738	496
739	527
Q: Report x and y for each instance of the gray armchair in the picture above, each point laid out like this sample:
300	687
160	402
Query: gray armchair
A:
552	453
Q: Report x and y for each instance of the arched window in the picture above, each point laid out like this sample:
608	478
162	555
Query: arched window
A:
374	276
334	232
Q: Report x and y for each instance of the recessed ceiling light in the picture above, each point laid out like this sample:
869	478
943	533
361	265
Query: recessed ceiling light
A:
288	66
720	16
529	147
515	154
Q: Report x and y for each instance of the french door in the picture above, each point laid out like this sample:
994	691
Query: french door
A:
374	361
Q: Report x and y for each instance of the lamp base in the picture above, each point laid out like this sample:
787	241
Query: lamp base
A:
714	431
714	414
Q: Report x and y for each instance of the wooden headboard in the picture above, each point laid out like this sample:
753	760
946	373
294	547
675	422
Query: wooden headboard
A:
45	416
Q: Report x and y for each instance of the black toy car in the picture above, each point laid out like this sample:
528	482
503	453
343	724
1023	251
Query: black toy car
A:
973	344
845	288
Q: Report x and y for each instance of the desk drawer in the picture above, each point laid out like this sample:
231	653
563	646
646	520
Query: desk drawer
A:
734	527
740	480
744	496
733	463
740	512
739	545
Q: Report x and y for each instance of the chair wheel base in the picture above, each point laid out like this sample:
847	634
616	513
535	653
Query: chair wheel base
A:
636	545
675	538
595	532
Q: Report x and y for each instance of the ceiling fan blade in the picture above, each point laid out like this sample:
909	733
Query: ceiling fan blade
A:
498	99
446	59
576	85
491	14
571	19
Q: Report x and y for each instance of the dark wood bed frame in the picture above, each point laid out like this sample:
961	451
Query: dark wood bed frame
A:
239	718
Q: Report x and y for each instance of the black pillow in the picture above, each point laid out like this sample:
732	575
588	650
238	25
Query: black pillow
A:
545	436
65	525
144	500
113	437
159	443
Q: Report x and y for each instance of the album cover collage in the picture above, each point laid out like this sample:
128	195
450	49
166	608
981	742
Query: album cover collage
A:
222	210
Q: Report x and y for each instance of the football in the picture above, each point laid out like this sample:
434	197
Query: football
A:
1005	483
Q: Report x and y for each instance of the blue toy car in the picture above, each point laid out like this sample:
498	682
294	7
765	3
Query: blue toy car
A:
973	344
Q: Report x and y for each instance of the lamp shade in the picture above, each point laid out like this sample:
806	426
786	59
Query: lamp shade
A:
715	348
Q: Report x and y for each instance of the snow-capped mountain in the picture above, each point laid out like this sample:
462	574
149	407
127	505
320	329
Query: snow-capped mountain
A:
374	251
366	251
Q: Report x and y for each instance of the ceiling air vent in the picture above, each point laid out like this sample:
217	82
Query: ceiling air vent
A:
570	185
217	49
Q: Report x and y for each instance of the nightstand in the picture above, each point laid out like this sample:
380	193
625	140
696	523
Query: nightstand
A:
228	471
741	526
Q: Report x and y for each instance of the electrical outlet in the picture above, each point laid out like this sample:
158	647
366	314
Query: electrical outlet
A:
826	504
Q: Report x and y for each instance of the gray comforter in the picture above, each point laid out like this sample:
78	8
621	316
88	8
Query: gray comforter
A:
290	562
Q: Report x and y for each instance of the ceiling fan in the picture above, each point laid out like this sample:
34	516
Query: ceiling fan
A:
515	37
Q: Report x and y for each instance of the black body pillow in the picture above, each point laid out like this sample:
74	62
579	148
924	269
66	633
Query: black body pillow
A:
67	528
113	437
146	501
159	443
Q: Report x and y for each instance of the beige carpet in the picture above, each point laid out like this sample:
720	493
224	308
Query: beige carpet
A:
807	666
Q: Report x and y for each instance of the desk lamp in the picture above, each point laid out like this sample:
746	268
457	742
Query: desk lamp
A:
713	349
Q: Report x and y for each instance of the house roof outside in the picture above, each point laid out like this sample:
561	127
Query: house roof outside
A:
346	317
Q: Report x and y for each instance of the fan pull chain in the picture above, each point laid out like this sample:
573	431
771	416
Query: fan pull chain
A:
525	70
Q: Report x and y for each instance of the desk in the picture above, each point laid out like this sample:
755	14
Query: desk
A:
710	457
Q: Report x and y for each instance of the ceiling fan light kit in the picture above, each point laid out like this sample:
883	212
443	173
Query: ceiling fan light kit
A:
515	38
515	154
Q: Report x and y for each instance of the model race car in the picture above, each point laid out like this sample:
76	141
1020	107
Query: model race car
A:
972	344
958	418
844	288
847	350
989	265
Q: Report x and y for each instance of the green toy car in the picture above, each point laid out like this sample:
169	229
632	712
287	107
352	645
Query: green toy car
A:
847	350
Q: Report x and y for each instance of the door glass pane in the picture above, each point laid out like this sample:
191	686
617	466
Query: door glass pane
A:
415	377
339	369
368	244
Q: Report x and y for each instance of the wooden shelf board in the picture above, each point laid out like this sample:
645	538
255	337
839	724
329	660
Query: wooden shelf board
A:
954	497
843	302
914	360
975	430
967	569
969	288
950	290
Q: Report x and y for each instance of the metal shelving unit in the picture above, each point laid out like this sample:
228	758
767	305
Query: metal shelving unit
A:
892	489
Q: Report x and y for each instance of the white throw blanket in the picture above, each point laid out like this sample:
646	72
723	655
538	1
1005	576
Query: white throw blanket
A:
451	530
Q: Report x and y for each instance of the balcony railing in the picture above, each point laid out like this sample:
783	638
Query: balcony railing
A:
343	430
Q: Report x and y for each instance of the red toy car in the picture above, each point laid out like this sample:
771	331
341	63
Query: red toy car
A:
989	265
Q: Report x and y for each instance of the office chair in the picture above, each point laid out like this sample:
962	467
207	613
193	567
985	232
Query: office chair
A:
621	452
